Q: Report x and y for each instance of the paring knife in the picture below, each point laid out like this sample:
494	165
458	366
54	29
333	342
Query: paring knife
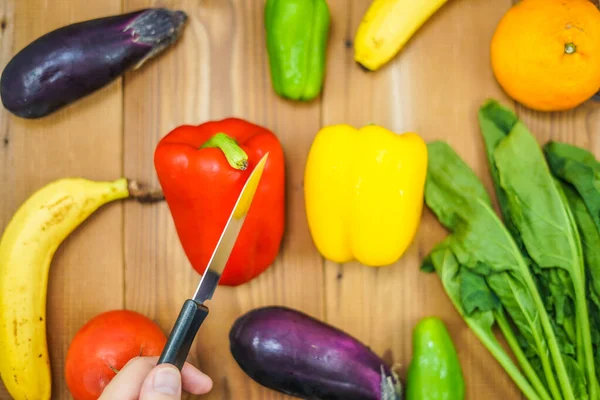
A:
194	311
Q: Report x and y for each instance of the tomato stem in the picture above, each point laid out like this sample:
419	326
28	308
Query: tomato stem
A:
236	157
113	368
570	48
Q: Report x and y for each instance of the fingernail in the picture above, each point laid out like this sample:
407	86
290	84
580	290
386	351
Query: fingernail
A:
167	381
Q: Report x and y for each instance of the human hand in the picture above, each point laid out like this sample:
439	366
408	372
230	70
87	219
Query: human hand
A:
142	379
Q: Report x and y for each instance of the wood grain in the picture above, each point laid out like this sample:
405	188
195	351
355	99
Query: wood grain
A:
219	69
83	140
7	172
128	255
411	94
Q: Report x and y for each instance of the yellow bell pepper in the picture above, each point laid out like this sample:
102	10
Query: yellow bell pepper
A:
364	193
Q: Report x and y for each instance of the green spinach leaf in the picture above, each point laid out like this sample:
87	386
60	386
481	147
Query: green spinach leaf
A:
580	169
483	245
539	218
590	241
482	317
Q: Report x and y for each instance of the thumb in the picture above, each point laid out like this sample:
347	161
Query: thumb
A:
162	383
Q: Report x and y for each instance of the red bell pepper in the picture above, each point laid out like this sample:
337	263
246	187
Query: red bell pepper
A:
202	170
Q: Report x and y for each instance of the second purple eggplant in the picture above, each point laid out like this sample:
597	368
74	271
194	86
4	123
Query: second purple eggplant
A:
71	62
296	354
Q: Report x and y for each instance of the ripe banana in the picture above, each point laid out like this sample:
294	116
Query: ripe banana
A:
27	246
387	26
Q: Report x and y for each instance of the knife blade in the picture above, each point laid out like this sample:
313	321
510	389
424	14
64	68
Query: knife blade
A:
194	311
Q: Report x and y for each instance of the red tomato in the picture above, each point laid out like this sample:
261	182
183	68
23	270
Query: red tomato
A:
104	345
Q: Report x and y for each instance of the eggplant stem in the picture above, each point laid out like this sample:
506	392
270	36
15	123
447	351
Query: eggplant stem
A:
391	387
158	28
138	193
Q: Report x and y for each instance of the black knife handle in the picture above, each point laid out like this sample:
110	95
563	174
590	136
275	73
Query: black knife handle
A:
182	336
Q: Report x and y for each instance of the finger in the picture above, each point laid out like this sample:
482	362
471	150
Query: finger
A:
126	385
195	381
162	383
128	382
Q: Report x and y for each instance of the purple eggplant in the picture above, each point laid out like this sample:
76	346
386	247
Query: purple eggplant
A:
71	62
291	352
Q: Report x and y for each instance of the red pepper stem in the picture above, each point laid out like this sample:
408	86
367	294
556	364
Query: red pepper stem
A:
236	157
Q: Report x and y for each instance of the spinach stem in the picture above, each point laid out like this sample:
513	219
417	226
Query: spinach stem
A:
579	348
489	341
561	370
559	364
582	316
524	362
583	321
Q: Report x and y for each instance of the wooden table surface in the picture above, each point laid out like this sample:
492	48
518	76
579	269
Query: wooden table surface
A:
128	255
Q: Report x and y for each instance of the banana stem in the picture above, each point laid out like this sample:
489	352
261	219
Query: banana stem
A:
142	195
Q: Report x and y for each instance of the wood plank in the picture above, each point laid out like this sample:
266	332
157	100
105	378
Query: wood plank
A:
83	140
380	306
7	175
578	126
7	172
218	69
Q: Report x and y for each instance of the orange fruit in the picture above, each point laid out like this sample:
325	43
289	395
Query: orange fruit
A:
546	53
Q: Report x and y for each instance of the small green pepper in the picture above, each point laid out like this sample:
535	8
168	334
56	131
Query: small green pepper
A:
434	372
297	32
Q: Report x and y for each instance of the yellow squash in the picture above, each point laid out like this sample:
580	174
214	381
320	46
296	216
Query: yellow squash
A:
364	193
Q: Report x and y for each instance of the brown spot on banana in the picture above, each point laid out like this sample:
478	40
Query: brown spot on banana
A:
16	331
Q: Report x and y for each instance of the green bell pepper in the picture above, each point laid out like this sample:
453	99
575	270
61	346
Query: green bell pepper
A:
297	33
434	372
